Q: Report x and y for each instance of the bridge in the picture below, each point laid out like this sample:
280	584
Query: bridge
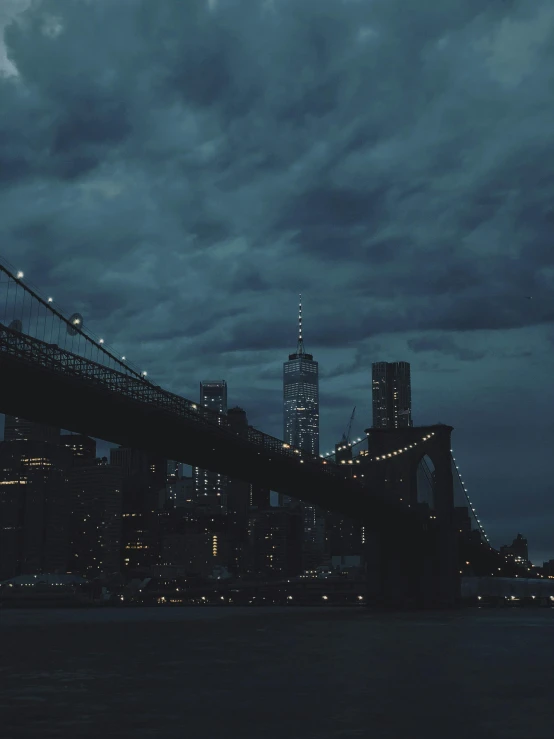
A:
53	370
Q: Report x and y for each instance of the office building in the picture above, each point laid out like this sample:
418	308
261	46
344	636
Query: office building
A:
209	486
144	479
343	536
301	430
34	501
259	497
275	542
83	448
180	492
300	401
19	429
391	395
301	397
96	500
517	552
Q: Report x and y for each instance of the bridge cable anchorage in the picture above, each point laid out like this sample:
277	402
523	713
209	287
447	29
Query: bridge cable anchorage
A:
466	494
43	319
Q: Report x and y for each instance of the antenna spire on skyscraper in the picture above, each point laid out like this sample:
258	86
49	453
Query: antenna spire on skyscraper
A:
300	345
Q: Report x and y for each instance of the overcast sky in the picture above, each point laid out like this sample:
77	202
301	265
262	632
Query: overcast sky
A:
179	170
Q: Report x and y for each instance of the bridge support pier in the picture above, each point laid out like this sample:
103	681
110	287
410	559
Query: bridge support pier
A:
411	557
406	568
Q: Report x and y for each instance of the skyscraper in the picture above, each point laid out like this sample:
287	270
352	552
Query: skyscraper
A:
34	500
96	498
392	395
19	429
83	448
213	395
143	482
301	397
301	430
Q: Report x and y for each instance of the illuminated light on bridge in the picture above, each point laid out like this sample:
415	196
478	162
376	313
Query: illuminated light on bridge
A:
20	275
50	300
480	525
101	341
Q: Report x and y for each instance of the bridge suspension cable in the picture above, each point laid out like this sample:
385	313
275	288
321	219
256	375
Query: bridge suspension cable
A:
351	444
473	512
25	310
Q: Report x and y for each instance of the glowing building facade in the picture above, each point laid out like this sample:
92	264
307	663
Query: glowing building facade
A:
391	395
301	430
211	486
301	397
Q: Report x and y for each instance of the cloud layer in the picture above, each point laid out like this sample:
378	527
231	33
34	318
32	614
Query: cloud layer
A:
179	171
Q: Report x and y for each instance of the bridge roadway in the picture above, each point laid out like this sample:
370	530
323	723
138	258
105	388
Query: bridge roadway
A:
46	384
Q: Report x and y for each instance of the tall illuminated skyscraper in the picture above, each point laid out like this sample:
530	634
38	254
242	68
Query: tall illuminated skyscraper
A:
301	397
301	430
391	395
213	395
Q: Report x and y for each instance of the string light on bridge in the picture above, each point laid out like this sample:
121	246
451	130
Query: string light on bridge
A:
479	524
401	450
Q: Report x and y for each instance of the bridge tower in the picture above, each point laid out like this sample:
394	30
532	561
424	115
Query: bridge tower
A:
411	556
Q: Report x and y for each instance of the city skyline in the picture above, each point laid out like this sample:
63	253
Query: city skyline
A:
207	215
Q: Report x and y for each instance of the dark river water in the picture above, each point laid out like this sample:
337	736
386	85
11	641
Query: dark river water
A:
276	673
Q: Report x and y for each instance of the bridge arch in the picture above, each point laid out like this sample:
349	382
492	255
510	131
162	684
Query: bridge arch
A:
423	473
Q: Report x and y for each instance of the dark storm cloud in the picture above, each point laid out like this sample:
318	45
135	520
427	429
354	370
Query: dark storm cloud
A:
444	345
179	171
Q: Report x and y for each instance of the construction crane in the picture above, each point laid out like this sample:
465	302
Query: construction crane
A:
346	436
